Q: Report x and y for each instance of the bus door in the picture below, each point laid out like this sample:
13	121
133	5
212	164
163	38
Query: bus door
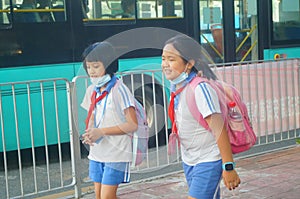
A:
284	25
246	31
227	23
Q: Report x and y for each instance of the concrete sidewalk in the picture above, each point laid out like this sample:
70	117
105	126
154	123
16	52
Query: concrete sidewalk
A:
274	175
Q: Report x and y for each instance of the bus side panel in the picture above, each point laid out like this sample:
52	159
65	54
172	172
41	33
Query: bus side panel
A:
149	63
44	101
269	54
25	73
36	117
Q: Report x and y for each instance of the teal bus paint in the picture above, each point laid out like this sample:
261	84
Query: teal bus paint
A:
33	114
48	71
147	63
21	89
284	53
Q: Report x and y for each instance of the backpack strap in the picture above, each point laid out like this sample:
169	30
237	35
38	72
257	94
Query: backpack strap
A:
191	101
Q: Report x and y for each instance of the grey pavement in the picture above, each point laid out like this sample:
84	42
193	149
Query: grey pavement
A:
273	175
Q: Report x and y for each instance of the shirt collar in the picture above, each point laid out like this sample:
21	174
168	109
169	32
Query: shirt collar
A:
188	80
109	85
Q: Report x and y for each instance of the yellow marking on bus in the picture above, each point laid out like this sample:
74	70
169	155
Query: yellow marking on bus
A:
244	40
36	10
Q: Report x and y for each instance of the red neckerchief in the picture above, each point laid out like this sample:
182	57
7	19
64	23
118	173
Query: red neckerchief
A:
94	101
171	112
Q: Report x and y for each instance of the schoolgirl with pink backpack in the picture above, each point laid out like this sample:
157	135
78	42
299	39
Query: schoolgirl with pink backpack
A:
200	126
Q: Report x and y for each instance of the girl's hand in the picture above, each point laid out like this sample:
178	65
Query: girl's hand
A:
91	135
86	140
231	179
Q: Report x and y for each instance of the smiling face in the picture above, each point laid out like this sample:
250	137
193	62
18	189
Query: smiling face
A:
172	63
95	69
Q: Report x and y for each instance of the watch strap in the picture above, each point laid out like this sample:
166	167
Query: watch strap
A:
226	164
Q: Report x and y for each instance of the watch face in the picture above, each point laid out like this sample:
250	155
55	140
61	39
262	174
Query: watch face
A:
229	167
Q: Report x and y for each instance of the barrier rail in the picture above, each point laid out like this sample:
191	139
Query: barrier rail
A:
41	122
33	137
271	91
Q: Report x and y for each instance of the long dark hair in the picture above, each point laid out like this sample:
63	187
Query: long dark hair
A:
190	49
103	52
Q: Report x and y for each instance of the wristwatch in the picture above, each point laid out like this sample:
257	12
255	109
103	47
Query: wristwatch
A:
228	166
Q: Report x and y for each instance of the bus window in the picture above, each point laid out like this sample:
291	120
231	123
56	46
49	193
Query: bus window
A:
126	9
36	11
58	8
245	24
25	12
109	9
51	10
5	16
211	29
286	19
160	8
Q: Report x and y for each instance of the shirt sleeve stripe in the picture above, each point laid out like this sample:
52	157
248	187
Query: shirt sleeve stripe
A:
207	97
124	96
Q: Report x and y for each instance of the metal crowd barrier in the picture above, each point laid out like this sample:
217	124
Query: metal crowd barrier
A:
35	138
271	91
41	123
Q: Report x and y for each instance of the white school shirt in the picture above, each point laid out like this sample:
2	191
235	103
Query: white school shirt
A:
114	148
197	144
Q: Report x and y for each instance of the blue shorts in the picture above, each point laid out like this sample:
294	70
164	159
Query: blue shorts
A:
109	173
204	179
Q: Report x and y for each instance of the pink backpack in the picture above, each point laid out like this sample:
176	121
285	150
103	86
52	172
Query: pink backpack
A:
241	134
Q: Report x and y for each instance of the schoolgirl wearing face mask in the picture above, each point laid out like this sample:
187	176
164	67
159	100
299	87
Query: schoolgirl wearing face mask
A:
110	123
204	155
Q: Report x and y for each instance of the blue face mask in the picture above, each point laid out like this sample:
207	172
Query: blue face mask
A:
183	76
180	78
100	81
